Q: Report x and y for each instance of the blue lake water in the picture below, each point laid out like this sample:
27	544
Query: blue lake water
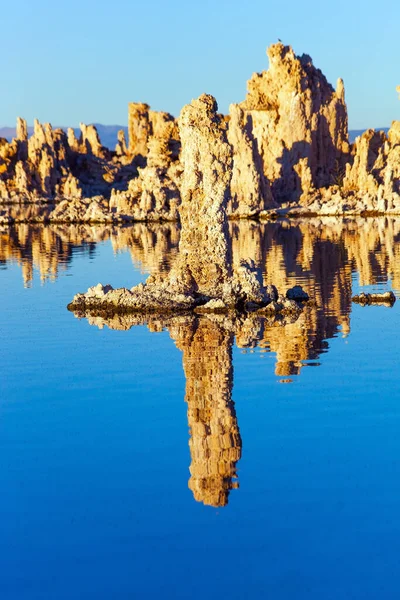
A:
191	458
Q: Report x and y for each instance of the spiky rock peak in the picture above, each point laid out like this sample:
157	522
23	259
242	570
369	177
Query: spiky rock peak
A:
299	122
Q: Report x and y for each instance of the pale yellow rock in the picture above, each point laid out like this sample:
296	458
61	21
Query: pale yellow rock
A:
203	271
296	116
91	140
22	130
138	127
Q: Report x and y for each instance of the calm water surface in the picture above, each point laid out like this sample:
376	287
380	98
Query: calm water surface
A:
200	458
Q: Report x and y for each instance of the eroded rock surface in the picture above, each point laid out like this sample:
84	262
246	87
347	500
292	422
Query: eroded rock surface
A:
299	122
286	152
138	181
204	270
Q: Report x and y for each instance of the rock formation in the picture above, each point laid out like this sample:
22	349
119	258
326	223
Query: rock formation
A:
299	123
80	175
203	274
138	128
154	195
286	152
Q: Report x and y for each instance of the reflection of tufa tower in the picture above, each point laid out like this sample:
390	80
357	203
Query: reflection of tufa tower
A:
215	443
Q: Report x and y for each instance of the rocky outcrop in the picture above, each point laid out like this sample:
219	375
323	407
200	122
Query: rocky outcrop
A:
299	123
203	273
53	165
250	191
83	176
138	128
286	152
375	172
371	182
154	195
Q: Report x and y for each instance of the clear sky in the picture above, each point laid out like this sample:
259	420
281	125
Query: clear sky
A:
84	60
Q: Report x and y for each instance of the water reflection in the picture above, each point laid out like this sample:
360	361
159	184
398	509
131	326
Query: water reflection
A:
50	248
215	442
324	256
206	344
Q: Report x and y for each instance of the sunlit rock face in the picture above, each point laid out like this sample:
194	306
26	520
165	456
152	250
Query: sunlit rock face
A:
154	144
138	127
299	122
287	151
207	162
375	172
203	272
53	165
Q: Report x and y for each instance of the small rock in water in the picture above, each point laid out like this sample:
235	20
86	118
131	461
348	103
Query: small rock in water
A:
385	298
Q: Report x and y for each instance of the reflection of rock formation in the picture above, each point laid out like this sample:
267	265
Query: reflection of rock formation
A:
300	253
46	249
215	443
153	247
206	343
323	255
51	247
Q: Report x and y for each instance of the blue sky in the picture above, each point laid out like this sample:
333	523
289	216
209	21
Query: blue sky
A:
67	62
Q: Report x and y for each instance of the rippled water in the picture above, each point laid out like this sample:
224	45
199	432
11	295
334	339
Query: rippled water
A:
200	457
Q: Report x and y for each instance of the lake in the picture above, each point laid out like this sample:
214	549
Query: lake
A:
196	457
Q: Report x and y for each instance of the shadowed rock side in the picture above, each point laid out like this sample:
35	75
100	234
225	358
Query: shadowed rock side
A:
203	274
250	191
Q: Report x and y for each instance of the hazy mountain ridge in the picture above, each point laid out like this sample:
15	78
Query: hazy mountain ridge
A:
108	133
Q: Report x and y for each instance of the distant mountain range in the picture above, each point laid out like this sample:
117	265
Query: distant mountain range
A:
108	133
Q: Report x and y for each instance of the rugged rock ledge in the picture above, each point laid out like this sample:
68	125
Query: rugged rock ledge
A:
204	274
287	151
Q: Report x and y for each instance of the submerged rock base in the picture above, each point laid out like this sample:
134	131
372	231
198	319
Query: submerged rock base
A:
157	298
